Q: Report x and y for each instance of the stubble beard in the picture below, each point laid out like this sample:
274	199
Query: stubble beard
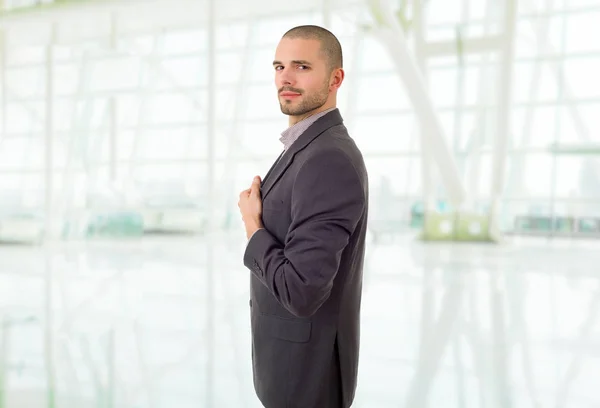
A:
307	105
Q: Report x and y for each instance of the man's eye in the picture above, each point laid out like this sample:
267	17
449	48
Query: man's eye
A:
278	68
303	67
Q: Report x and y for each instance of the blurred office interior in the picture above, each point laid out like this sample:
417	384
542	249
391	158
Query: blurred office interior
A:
129	127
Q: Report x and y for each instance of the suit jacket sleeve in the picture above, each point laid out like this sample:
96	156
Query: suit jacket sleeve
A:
327	202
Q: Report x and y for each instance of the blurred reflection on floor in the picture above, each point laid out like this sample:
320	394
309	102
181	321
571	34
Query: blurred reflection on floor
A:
144	324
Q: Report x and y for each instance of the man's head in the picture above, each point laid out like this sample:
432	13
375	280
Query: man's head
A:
308	71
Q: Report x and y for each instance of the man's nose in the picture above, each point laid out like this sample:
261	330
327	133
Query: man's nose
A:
286	77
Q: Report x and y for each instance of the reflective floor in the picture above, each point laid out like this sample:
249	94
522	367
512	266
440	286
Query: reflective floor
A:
143	324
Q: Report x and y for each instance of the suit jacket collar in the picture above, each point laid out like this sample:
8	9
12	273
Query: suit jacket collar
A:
327	121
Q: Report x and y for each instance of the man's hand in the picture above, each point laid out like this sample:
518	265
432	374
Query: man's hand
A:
250	205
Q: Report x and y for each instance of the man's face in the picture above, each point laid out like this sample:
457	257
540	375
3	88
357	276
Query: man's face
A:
301	76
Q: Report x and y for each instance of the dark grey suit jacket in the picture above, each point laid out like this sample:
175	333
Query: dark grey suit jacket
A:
307	266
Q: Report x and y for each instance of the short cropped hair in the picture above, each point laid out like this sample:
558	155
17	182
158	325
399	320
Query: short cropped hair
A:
330	46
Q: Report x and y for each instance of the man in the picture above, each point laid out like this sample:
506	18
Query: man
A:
306	224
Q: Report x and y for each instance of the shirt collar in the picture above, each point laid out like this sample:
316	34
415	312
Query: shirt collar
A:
291	134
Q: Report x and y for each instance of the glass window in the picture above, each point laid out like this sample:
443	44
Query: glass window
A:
261	138
183	41
440	12
67	79
262	102
25	118
26	82
173	108
396	176
385	92
163	143
535	81
579	37
375	56
271	29
114	74
25	54
534	126
539	36
178	72
259	68
577	176
442	87
536	176
385	133
580	75
234	34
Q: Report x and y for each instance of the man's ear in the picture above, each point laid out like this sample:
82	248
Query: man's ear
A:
337	77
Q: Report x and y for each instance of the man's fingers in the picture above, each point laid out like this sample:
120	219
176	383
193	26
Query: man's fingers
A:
255	188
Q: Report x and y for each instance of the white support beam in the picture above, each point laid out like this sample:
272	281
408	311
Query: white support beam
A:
459	103
391	35
504	110
111	374
326	13
467	46
112	106
49	330
426	157
4	353
48	137
49	224
4	84
112	140
211	113
211	135
484	100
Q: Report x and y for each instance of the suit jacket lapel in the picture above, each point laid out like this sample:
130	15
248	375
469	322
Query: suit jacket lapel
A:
322	124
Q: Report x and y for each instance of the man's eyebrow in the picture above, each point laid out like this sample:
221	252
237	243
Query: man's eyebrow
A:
298	62
301	62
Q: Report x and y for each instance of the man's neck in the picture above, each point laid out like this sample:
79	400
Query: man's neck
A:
295	119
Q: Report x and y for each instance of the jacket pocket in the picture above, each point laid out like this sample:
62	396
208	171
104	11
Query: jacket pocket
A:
297	331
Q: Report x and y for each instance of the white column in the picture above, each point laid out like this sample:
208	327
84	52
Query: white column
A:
484	101
111	389
4	353
3	53
210	205
326	14
48	136
112	137
49	222
112	140
49	357
504	111
211	116
426	156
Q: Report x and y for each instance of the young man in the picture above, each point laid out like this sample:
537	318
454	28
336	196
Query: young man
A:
306	224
